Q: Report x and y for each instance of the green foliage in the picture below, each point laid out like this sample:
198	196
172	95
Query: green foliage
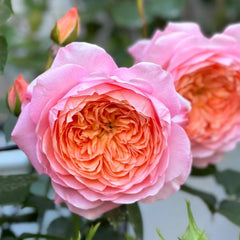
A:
231	210
125	14
41	204
5	11
15	188
160	235
105	231
8	126
192	232
208	198
7	235
201	172
3	52
62	226
129	237
229	179
41	186
135	219
92	231
170	9
116	216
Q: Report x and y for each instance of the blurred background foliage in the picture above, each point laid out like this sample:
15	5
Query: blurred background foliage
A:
25	27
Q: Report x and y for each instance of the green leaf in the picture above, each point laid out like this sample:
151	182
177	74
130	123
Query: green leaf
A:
92	231
116	216
128	237
8	126
41	187
208	198
41	204
229	179
106	231
78	236
5	12
231	210
135	219
61	227
160	235
15	188
7	234
209	170
38	236
192	232
9	4
3	50
66	227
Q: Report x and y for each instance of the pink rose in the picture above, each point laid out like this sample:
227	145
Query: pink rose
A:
105	135
206	71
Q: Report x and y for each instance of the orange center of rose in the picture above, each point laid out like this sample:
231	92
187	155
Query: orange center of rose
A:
214	93
106	140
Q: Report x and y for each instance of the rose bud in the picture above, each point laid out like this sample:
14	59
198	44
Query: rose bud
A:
67	28
16	95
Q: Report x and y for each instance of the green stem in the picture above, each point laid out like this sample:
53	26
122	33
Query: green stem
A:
32	217
30	235
5	148
142	16
76	223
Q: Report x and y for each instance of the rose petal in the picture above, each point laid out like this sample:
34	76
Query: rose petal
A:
91	57
27	141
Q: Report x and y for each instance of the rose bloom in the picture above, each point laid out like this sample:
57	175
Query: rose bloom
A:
206	71
105	135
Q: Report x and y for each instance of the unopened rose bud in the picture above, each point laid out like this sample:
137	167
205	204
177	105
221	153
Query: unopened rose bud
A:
67	28
16	95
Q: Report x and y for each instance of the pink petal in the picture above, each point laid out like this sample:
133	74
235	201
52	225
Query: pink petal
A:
203	162
25	137
91	57
188	27
180	158
49	87
138	49
233	31
94	212
154	81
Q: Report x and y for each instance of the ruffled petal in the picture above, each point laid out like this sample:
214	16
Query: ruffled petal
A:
91	57
24	135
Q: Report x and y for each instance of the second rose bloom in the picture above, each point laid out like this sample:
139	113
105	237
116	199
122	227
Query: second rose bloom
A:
206	71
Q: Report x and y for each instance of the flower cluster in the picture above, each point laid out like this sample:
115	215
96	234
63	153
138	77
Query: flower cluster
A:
108	136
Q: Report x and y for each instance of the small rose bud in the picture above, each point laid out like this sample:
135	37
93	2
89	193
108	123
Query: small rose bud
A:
16	95
67	28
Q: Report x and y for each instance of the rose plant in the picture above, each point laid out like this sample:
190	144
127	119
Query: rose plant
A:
105	135
206	71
